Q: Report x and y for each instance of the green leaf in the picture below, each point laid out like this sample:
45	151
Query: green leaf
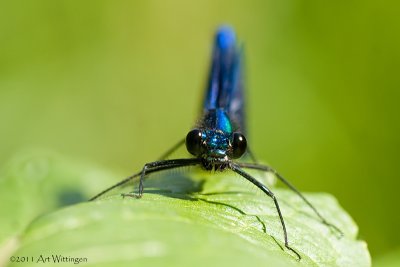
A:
193	218
34	182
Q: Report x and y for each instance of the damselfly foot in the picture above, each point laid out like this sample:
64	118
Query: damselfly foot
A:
134	195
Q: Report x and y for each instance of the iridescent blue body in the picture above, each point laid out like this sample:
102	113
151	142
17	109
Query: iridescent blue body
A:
225	84
223	110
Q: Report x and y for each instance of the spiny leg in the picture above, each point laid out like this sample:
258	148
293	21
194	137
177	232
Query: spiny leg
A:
254	161
293	188
126	180
252	156
160	165
172	150
236	168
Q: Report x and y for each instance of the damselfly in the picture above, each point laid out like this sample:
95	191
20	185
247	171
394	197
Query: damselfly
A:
219	137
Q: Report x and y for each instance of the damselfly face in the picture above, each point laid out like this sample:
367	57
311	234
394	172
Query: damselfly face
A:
214	142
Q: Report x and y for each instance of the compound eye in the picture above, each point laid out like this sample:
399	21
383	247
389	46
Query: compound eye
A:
239	145
193	142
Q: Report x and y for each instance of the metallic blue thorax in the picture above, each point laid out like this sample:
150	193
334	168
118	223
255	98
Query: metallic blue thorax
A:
217	119
217	132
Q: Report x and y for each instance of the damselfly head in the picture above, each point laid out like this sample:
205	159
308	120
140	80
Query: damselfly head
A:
215	146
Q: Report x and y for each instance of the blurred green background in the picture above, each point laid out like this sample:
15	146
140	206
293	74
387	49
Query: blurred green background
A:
118	82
